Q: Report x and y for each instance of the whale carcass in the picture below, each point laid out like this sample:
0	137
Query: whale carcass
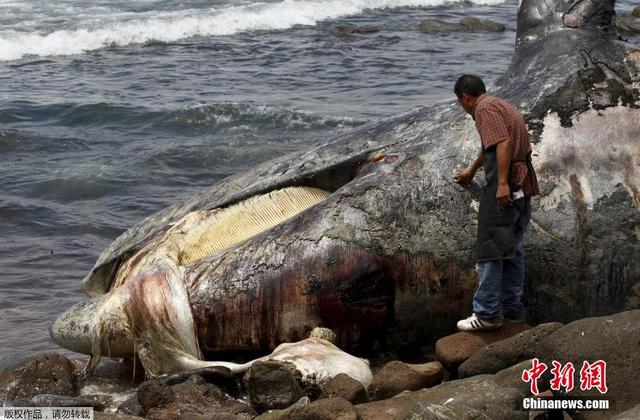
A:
368	236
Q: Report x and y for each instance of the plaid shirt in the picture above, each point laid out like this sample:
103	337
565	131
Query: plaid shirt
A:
497	121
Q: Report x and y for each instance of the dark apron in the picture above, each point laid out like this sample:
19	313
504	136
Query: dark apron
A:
496	237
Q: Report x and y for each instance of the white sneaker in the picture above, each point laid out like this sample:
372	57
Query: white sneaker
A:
473	323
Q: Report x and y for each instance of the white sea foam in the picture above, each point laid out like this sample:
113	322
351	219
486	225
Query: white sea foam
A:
92	32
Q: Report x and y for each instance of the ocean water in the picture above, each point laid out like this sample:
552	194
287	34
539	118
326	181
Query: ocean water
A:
111	110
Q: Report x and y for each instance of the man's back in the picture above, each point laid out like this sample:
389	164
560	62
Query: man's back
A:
497	120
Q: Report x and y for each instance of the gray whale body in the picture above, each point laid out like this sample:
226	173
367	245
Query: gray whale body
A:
382	253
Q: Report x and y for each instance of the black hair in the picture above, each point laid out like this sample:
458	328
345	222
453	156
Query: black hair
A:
469	84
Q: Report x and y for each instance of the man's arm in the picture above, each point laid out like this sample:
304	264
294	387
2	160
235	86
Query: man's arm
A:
465	176
503	152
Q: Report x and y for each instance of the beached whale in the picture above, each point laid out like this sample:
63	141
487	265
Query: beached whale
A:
368	235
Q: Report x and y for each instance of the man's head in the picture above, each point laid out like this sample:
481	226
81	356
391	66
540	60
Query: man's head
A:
468	89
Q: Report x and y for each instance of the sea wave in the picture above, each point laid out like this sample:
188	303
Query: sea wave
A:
229	114
179	25
222	115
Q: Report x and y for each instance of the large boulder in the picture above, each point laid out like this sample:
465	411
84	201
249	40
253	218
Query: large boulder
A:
479	393
192	398
47	373
628	24
504	353
454	349
636	11
325	409
613	339
634	413
114	416
344	386
396	376
272	385
511	377
451	411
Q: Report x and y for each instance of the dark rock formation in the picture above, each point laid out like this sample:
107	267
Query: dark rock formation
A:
216	375
114	416
479	393
344	386
474	24
504	353
47	373
613	339
634	413
325	409
193	397
454	349
628	24
396	376
438	25
272	385
466	24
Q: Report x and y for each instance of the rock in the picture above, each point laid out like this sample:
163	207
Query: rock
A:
511	377
474	24
627	24
47	373
613	339
436	25
636	11
454	349
20	402
239	408
154	393
51	400
504	353
130	407
193	397
114	416
634	413
353	29
480	393
395	377
452	411
272	385
110	371
216	375
344	386
467	24
325	409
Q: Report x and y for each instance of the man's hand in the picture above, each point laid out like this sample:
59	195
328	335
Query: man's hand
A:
503	195
464	177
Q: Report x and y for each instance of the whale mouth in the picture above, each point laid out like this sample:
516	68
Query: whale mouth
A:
203	233
224	228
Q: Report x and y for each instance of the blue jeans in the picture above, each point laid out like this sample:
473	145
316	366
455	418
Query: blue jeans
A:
502	281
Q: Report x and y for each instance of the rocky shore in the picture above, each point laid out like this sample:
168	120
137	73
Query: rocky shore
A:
474	376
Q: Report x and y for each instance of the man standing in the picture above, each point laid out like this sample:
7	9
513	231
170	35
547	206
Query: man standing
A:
505	206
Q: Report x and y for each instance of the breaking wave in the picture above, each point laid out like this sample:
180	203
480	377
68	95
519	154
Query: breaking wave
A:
97	32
